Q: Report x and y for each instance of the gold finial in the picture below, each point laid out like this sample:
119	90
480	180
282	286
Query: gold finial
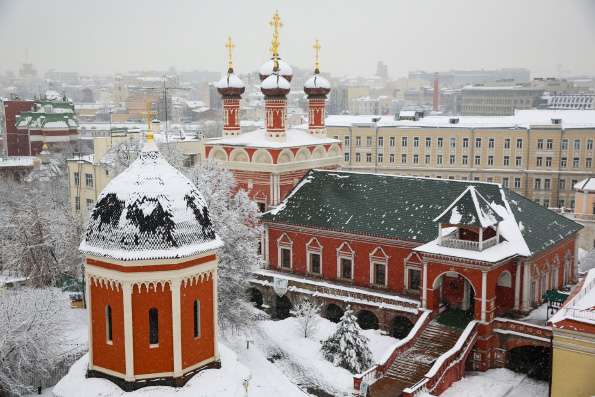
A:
316	47
149	113
276	24
230	46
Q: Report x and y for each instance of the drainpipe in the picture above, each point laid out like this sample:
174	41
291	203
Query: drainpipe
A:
350	145
376	149
472	159
526	167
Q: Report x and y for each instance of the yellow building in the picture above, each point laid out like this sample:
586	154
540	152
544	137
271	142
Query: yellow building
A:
541	154
573	326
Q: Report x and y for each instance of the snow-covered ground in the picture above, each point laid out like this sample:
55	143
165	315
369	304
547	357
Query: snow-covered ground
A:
499	382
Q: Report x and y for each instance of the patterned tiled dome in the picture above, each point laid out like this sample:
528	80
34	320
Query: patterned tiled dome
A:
149	211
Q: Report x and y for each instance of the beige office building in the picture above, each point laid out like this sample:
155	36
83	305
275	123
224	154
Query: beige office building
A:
541	154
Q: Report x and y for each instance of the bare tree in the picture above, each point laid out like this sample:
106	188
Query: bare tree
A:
308	315
30	337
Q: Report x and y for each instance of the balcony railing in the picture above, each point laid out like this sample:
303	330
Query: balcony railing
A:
451	242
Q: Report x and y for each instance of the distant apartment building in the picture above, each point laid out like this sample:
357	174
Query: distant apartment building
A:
496	100
570	101
341	97
540	154
459	78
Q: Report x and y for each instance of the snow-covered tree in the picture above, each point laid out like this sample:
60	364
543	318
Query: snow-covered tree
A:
39	234
30	337
307	314
235	217
348	347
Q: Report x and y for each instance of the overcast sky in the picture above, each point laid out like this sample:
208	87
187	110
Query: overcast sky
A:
92	36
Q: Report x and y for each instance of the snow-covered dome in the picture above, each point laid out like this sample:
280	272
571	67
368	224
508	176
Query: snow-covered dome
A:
230	84
149	211
317	85
275	85
267	69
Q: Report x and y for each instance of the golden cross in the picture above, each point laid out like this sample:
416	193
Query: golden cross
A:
230	46
316	47
149	113
276	24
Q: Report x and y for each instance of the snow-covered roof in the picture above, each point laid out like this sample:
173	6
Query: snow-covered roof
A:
149	211
581	306
317	81
275	81
17	161
405	208
230	80
586	185
521	119
469	209
284	68
258	139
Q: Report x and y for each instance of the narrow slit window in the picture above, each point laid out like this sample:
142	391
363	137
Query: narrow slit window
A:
108	323
197	318
153	326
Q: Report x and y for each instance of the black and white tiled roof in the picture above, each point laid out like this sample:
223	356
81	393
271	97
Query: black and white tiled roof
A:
149	211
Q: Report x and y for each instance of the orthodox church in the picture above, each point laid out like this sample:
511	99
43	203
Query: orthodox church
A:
269	162
150	255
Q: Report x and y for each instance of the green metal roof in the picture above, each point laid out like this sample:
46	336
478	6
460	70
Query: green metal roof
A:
469	209
404	208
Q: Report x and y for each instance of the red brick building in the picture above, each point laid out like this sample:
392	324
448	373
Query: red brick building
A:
151	278
267	163
394	248
31	124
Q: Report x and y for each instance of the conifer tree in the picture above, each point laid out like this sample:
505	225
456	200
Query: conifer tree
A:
347	347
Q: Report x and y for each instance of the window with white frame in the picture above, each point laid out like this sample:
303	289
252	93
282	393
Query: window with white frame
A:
379	273
314	256
285	246
345	257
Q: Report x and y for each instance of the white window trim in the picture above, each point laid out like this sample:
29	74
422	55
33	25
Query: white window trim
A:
313	247
284	245
406	276
378	259
341	254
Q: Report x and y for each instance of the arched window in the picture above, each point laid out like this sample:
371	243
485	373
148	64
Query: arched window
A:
197	318
108	323
153	326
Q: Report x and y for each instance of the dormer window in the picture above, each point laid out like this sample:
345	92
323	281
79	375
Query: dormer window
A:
469	223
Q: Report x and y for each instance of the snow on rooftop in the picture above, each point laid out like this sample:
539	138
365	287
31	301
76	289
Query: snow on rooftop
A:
581	306
275	81
17	161
259	139
586	185
521	119
317	81
284	68
230	80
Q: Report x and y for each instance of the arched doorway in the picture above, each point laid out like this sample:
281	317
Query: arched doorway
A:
454	299
535	361
400	327
333	312
367	320
255	296
282	307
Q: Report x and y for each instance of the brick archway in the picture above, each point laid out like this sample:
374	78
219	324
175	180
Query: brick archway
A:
454	289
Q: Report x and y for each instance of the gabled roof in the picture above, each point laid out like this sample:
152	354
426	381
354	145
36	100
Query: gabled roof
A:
469	209
405	208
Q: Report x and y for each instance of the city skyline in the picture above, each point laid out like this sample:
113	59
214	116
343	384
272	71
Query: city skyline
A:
191	36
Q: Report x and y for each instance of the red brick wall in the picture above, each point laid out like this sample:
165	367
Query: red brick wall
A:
195	350
361	246
106	355
17	141
149	360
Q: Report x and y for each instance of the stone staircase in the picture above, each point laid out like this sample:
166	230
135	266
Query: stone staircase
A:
411	366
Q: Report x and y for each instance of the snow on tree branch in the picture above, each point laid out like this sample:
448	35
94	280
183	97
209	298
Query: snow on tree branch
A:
307	314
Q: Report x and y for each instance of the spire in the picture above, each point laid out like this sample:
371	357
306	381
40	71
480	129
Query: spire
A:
230	46
276	24
316	47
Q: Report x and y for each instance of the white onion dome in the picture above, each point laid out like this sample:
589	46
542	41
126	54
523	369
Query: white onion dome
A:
230	85
149	211
268	68
317	86
275	85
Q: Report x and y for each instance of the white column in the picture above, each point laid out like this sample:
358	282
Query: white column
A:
128	341
481	238
440	233
517	286
424	298
526	286
176	326
88	282
484	278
